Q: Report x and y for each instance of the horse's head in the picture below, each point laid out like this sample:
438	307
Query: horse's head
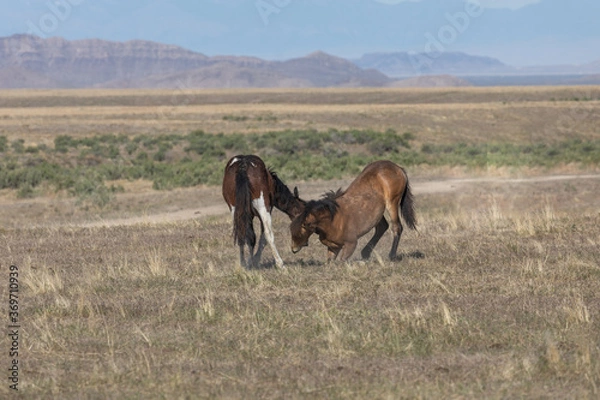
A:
313	216
302	227
296	206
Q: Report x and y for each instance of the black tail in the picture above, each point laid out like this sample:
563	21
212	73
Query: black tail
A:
407	206
243	231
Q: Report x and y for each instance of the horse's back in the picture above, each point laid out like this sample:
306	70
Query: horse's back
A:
384	177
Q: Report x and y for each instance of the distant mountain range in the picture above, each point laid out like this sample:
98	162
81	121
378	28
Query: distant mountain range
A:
28	61
31	62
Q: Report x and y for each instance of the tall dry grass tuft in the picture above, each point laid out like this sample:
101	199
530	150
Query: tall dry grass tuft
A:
41	279
448	317
577	311
333	332
155	263
206	311
494	214
541	221
548	218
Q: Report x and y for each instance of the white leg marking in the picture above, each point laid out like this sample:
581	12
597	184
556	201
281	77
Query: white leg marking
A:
259	205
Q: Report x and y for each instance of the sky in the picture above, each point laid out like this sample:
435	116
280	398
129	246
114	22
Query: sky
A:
517	32
509	4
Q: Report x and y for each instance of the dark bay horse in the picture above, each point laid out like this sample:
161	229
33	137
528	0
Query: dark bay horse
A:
251	190
341	218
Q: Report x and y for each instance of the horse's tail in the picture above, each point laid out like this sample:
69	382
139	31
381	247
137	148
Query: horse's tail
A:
243	231
407	206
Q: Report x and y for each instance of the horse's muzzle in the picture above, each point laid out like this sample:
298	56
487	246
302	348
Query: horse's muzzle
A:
296	248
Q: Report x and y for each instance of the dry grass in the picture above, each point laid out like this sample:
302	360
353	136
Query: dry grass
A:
474	115
496	296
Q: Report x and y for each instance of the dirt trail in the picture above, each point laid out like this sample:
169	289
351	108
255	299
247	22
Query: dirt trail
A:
311	190
450	185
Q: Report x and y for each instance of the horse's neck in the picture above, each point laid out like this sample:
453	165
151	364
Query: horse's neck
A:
289	209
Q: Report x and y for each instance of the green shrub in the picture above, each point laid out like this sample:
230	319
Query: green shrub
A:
18	146
63	143
3	144
204	144
198	158
90	188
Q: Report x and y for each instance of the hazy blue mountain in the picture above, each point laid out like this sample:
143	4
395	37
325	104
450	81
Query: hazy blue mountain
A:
401	64
85	63
28	61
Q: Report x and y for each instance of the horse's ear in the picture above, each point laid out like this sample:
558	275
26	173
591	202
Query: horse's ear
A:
296	195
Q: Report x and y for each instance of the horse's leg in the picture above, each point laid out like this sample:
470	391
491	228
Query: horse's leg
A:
332	254
243	263
265	217
242	258
261	244
271	239
347	250
380	229
396	227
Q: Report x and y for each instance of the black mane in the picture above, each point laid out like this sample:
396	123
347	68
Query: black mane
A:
284	198
331	195
326	203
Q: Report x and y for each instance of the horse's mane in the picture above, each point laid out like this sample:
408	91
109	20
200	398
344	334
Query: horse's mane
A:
331	195
283	194
279	185
328	202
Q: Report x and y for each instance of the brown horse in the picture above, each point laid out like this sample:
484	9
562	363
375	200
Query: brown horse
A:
341	218
251	190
